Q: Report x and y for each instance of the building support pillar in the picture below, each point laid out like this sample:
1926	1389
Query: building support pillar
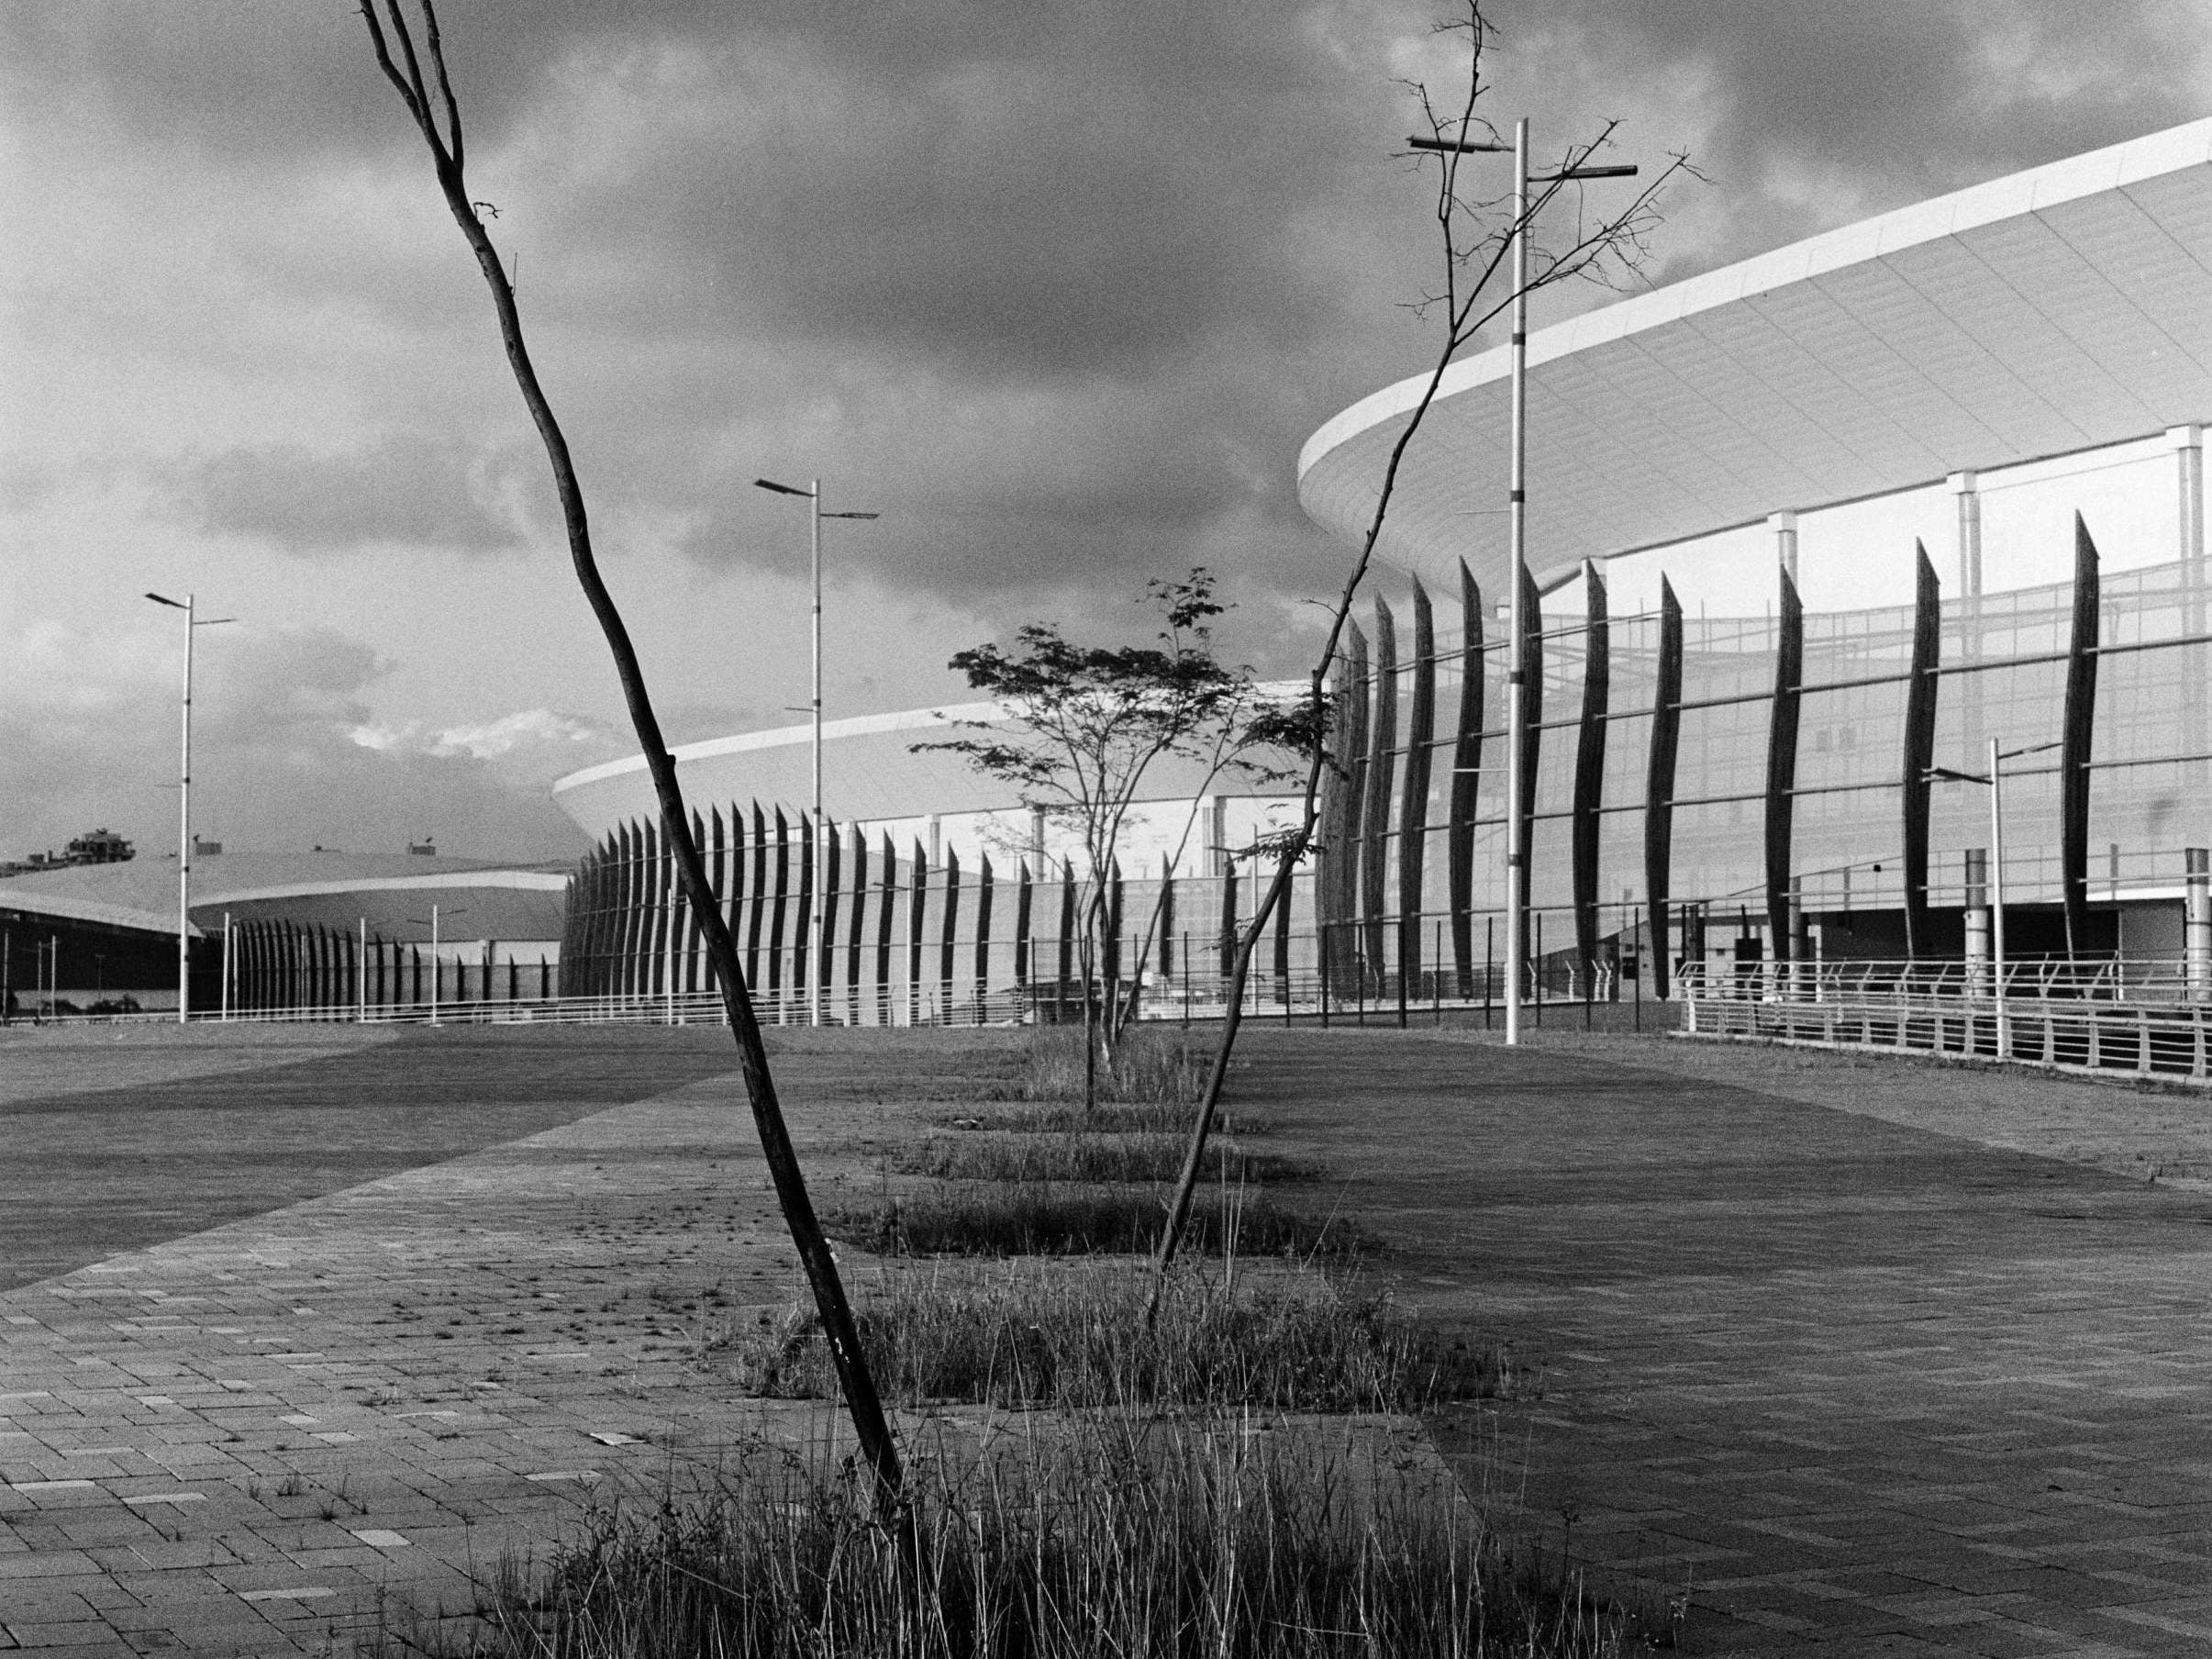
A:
1413	802
1590	764
2189	477
2078	725
1532	733
1339	919
1782	767
1966	498
1920	746
1784	526
1374	824
1466	779
1659	784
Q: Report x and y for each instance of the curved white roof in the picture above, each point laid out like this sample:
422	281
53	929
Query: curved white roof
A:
2057	309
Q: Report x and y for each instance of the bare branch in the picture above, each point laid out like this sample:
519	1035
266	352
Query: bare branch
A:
1469	302
838	1326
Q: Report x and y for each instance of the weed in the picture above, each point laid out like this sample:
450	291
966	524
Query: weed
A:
1115	1536
1141	1118
1153	1064
1041	1219
1074	1337
1085	1157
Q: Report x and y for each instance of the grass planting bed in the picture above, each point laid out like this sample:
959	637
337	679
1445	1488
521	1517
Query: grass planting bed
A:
1116	1535
1030	1335
1046	1219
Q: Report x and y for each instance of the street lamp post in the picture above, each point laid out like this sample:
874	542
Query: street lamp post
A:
812	495
1516	688
435	965
1994	778
184	810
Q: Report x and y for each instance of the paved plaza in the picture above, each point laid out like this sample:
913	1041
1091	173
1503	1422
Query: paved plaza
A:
1879	1358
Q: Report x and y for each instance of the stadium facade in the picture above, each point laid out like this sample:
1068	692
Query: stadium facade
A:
1806	534
324	930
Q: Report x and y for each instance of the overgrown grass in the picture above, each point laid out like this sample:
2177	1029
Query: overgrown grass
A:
1109	1117
1054	1336
1042	1218
1138	1541
1085	1157
1154	1065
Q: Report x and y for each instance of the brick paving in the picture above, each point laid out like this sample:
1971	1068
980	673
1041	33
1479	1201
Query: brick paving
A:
1847	1382
1856	1383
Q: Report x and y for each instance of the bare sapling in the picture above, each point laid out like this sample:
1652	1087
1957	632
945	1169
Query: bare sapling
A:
1477	236
438	117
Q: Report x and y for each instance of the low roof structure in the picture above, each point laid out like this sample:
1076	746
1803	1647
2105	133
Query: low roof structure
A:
481	898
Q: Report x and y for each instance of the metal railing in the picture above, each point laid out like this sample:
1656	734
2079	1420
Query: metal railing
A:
2147	1017
1195	993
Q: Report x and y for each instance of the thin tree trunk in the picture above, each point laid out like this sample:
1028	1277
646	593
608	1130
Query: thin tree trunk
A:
860	1397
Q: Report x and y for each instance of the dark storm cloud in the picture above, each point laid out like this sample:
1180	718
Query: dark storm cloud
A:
1886	102
409	489
1105	214
1060	288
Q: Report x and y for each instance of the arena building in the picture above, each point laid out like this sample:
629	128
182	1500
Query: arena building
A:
322	928
1806	533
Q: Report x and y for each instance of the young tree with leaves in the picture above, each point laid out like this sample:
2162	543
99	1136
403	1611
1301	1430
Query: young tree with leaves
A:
1080	727
1477	234
430	101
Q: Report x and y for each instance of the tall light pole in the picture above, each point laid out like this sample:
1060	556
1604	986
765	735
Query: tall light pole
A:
1994	778
1517	675
435	964
812	495
184	810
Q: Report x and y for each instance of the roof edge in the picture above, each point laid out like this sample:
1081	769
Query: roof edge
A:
2132	161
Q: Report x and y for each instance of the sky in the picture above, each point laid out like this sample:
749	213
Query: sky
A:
1058	290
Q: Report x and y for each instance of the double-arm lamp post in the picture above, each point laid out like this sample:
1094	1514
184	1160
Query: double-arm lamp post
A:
1517	704
184	810
1994	778
812	495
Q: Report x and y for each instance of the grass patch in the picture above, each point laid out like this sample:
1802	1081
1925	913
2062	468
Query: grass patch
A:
1055	1337
1140	1541
1109	1118
1156	1065
1043	1219
1086	1157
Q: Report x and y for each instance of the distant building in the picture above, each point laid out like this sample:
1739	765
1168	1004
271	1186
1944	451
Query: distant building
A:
102	846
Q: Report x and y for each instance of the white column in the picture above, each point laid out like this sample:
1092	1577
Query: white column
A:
2189	481
1784	526
1965	488
1978	921
2189	478
1966	493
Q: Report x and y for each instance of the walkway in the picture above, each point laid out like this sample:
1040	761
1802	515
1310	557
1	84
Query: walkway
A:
1855	1381
1848	1382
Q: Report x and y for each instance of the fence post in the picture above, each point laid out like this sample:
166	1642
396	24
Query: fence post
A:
2196	923
1643	965
1489	961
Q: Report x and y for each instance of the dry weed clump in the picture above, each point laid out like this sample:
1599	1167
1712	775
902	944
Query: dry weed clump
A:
1122	1537
1046	1219
1086	1157
1029	1337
